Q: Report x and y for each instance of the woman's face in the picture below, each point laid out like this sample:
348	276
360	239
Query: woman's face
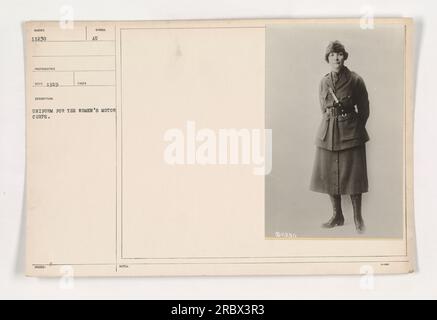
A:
336	60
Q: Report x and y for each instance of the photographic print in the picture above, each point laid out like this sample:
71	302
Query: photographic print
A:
203	142
335	101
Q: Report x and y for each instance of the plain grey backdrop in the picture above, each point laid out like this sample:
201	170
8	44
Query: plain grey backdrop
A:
294	67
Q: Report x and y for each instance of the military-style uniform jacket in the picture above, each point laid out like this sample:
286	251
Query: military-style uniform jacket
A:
343	128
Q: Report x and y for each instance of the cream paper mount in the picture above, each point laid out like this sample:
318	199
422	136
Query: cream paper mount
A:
187	147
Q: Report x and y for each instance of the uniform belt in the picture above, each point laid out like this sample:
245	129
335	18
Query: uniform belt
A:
340	112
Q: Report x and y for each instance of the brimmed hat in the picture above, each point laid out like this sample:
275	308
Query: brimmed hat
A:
335	46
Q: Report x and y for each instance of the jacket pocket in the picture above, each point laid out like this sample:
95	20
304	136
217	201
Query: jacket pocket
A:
349	128
323	128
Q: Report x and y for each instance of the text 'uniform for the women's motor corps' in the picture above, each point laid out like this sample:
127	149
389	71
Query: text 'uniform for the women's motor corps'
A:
340	164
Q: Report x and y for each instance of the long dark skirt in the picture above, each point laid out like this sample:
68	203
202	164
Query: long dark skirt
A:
340	172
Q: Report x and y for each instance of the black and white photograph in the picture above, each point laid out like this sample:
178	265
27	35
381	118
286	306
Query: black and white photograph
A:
335	101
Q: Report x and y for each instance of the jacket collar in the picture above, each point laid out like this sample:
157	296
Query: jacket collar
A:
344	78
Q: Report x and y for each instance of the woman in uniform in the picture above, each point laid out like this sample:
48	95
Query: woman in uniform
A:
340	162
